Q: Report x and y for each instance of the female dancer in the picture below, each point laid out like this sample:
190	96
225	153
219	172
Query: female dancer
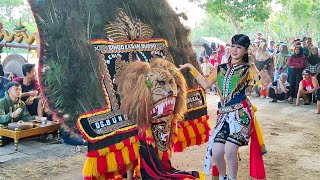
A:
235	122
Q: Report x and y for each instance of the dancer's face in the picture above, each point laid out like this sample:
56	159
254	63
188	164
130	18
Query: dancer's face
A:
237	51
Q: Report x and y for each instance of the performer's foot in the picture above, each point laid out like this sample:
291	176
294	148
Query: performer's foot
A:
223	177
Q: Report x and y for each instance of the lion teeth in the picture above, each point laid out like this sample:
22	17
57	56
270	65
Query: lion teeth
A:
160	109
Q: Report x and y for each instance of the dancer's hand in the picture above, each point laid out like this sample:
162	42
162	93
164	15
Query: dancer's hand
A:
186	66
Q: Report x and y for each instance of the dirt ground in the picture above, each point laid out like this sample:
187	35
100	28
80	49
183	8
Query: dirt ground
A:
291	136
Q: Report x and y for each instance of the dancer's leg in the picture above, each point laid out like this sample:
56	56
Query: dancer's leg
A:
231	151
218	158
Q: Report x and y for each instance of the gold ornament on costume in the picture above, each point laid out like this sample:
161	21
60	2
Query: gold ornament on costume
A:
125	28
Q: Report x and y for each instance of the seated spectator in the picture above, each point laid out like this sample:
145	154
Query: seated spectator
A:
12	108
261	86
3	82
279	89
307	87
30	90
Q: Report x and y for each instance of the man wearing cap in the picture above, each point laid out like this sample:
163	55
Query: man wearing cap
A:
279	89
307	87
12	108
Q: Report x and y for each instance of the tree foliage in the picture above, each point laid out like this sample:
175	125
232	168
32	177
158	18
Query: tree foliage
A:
7	7
297	18
238	11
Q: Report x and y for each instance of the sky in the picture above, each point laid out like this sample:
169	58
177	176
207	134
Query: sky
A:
193	12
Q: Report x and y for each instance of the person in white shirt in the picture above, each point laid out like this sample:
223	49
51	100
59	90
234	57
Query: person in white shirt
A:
206	66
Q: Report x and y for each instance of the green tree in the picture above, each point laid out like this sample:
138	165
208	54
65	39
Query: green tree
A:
297	18
238	11
7	8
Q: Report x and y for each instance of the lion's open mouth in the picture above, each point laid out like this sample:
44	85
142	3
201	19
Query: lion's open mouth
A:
163	107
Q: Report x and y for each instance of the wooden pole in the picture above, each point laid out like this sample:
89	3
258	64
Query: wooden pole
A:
20	46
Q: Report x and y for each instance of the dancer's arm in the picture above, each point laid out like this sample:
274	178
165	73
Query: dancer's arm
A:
204	82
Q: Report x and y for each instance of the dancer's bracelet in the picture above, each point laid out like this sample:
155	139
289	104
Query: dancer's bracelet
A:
194	72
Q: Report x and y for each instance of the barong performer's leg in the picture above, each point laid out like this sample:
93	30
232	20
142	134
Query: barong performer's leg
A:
231	151
218	157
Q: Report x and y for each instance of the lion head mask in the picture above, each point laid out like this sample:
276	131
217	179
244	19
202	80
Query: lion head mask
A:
151	91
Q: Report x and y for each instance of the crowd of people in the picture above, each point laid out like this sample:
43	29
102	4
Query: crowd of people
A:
288	72
20	97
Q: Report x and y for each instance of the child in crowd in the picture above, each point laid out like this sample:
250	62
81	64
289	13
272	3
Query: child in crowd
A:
261	86
206	68
214	59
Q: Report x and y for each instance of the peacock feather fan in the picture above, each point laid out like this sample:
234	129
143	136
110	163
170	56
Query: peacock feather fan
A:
71	78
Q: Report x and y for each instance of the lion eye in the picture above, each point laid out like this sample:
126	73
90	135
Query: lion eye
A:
161	82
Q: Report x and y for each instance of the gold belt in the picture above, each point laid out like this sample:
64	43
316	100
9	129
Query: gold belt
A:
230	108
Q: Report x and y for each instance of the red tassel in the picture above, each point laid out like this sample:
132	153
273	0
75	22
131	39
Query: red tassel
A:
101	164
119	159
257	170
214	171
131	153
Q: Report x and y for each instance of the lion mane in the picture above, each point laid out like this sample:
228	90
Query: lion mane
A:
136	97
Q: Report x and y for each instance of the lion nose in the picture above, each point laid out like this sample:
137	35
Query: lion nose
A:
170	93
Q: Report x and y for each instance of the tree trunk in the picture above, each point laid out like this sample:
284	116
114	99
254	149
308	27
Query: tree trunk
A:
235	25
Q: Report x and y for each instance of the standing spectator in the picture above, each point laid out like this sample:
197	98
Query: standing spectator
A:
259	36
304	46
206	67
307	87
3	82
213	46
30	89
309	45
226	55
207	51
296	64
221	52
271	49
293	44
280	61
313	63
279	89
214	59
263	57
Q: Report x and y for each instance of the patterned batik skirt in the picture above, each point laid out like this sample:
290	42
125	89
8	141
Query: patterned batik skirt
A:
233	125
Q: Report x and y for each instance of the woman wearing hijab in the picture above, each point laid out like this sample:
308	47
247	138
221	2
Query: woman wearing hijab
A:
207	51
313	63
221	52
296	64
